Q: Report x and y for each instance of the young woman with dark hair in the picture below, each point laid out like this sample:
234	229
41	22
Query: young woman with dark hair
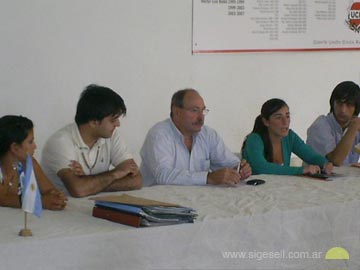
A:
16	142
268	148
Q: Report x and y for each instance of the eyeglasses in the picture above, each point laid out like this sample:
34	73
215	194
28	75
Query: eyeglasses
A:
197	111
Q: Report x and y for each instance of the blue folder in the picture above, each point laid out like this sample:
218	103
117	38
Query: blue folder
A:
122	207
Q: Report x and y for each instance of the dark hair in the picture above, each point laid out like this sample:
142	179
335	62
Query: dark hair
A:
13	129
97	102
177	99
268	108
346	92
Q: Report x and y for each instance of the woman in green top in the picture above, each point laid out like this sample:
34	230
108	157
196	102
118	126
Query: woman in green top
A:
268	148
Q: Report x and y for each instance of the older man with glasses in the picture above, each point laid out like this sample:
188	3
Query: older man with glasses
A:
181	150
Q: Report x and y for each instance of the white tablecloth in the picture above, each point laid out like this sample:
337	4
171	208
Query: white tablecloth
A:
290	216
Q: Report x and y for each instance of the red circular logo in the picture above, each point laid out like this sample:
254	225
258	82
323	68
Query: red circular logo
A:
354	15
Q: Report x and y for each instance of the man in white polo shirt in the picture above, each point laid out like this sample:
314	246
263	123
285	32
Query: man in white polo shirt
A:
89	156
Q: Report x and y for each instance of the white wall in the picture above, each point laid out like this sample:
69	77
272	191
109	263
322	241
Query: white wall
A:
50	50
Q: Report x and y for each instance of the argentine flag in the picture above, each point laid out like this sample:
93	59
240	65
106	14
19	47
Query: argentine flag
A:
30	194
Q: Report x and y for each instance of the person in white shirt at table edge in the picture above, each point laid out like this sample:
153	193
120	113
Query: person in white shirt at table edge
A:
182	150
80	155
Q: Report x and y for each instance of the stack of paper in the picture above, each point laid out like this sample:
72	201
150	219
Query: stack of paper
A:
136	211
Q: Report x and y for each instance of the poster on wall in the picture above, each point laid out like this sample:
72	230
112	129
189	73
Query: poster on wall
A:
221	26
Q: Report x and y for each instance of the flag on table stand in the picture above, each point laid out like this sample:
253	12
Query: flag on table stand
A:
30	194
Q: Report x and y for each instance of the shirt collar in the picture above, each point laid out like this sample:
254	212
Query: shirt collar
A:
336	123
178	133
79	141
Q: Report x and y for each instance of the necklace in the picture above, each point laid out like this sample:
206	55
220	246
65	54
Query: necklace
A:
87	164
14	167
19	173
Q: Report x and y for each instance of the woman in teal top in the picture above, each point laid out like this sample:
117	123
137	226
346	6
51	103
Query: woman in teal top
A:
268	148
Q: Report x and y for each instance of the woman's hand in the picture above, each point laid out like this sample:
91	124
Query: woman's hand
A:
311	169
54	200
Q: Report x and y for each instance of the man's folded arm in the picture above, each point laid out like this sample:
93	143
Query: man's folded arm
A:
85	185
